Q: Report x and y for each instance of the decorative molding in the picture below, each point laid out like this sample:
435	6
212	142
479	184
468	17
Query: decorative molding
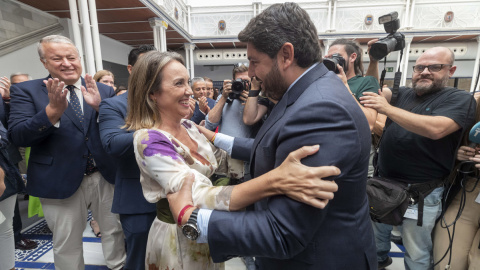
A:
29	38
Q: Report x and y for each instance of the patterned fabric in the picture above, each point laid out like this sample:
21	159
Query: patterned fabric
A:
164	163
77	108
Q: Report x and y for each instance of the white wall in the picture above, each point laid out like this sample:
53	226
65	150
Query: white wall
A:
114	51
216	73
23	60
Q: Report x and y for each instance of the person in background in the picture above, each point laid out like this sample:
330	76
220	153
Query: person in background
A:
465	245
136	214
120	90
418	148
105	77
68	168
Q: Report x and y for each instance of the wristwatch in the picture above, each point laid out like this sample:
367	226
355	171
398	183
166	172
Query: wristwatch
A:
190	229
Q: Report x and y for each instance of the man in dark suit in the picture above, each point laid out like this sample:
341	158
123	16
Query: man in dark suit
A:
203	103
314	107
136	214
68	168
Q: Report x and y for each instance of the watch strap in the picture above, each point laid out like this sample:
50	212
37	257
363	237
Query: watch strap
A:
253	93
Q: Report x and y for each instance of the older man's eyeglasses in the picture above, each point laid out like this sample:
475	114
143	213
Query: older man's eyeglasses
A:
431	68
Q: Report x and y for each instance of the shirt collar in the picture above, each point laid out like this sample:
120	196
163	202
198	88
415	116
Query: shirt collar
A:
299	77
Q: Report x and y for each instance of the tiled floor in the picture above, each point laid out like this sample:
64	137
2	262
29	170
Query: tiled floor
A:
42	257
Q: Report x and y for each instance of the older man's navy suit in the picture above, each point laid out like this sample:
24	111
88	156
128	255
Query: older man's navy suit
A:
285	234
58	156
136	214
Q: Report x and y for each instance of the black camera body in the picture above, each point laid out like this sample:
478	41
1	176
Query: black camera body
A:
238	86
331	63
395	41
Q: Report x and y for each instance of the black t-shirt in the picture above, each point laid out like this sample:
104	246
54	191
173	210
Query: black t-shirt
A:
414	158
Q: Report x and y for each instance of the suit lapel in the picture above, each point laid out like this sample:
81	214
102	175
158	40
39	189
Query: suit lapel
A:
68	112
288	99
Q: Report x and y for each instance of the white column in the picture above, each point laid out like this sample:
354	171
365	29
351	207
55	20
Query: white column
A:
329	15
159	27
334	16
95	35
189	19
187	56
189	47
87	37
77	38
327	45
412	9
475	67
405	18
408	42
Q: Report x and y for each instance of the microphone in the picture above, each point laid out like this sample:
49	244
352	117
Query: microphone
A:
474	135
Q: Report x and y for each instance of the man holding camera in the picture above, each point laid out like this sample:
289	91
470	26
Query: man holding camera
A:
346	55
227	115
418	149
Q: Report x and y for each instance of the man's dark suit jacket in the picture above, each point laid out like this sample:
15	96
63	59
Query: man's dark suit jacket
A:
128	197
198	116
58	156
285	234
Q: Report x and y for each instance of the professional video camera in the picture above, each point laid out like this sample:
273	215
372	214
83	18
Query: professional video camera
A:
238	86
395	41
331	63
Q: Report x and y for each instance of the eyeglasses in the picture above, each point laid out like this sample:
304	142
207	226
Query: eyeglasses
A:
431	68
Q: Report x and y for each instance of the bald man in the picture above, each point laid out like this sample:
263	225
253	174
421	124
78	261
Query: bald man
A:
418	148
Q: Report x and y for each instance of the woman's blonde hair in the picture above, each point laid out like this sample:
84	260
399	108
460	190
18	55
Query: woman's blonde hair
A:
99	75
146	79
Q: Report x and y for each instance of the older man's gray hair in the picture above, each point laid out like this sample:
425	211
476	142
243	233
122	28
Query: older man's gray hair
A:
53	39
20	74
195	80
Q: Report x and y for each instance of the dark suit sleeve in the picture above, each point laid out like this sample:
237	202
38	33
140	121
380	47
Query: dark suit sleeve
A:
27	127
242	148
116	141
198	116
286	227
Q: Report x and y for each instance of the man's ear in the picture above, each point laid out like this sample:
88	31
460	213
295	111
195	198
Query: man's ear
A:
452	70
285	55
353	57
129	68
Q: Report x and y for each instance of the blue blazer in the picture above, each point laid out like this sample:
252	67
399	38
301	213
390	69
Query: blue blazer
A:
198	116
285	234
118	142
58	156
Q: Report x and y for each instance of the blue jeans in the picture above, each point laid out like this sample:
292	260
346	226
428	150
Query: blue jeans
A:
417	240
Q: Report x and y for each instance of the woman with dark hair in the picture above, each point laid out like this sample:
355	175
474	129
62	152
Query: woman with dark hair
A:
170	150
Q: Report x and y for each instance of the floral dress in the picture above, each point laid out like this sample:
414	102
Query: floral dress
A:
164	163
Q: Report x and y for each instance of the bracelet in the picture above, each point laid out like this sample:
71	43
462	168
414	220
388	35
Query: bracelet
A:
182	213
253	93
213	138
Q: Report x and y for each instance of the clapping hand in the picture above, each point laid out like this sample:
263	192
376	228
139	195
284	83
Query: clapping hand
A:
90	92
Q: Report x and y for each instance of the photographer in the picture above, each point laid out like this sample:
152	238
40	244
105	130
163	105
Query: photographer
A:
257	106
352	72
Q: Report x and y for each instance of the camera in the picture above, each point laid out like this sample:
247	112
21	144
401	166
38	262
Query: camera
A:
395	41
331	63
238	86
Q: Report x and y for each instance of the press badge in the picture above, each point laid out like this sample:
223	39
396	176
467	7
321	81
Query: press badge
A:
477	200
411	213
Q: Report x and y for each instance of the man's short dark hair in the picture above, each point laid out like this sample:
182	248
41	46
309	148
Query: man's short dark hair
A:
281	23
134	53
352	47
